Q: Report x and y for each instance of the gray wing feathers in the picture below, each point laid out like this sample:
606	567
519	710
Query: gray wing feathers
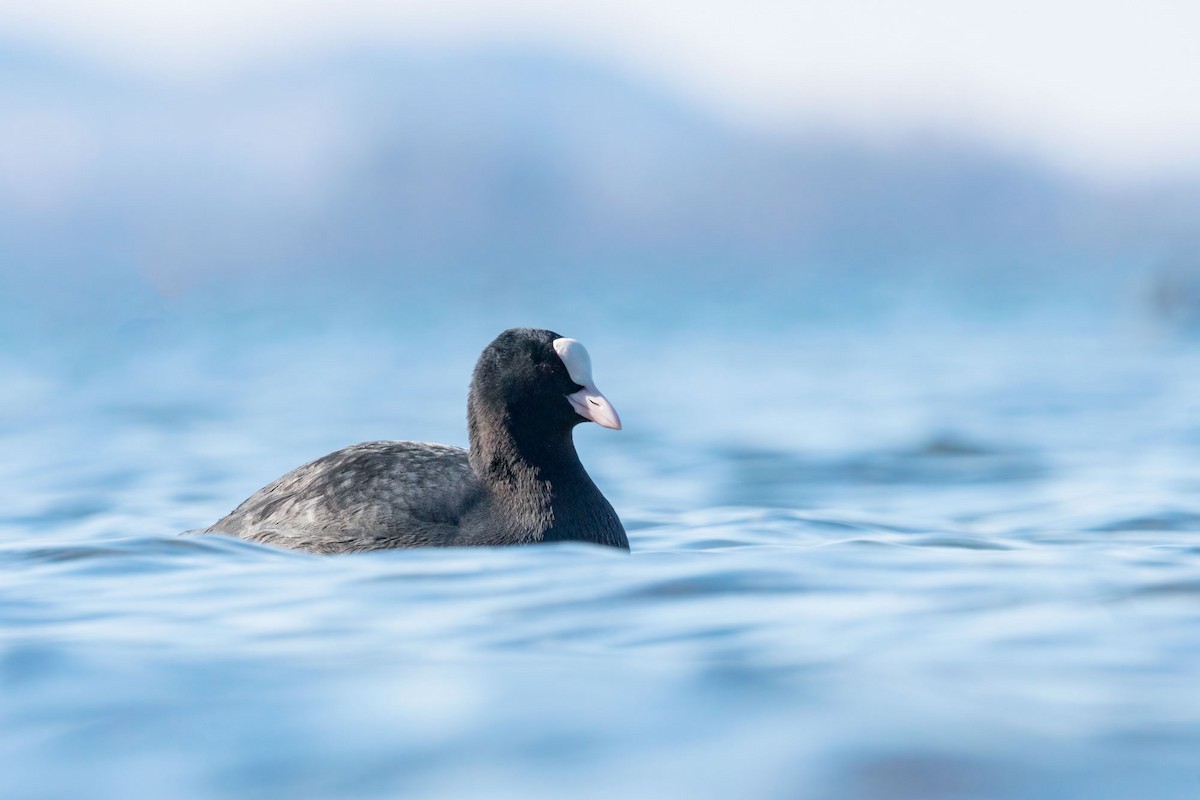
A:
364	497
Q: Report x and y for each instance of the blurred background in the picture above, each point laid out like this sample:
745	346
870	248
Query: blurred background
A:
897	302
690	161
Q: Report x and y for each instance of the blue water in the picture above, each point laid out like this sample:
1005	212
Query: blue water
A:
901	560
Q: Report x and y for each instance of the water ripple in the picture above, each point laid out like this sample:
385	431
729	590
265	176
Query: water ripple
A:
907	583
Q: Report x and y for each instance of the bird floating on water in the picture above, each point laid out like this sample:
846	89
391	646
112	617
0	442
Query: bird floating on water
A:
520	482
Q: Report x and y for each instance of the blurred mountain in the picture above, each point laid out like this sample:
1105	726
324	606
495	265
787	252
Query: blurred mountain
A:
485	164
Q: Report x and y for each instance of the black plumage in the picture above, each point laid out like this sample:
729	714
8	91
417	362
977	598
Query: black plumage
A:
521	482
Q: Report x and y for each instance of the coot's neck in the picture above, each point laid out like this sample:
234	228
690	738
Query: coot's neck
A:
535	481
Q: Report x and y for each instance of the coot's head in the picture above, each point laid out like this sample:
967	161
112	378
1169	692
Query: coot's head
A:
538	380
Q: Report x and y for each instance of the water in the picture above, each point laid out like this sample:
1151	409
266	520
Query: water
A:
875	561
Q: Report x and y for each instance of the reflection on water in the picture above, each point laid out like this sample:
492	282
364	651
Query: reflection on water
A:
884	569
